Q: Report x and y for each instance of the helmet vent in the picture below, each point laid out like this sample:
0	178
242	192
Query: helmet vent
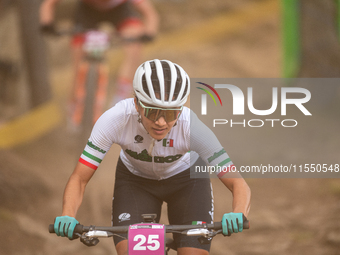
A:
186	88
167	79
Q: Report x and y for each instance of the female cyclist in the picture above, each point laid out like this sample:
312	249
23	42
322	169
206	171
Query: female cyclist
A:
158	149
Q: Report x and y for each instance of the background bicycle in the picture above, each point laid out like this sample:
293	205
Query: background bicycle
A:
10	65
88	98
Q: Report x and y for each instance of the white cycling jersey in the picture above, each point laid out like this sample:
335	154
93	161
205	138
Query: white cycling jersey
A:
175	153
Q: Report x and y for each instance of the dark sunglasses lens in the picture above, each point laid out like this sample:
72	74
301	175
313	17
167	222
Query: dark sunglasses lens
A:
171	115
155	114
151	114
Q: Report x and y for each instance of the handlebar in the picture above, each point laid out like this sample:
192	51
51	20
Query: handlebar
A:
52	30
79	229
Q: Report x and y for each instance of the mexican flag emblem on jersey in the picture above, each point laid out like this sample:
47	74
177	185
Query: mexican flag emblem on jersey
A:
198	223
168	142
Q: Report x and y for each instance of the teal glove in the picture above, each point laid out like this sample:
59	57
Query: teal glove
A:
64	226
232	223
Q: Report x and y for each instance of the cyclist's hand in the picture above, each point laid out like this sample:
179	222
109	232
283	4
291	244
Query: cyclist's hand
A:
232	223
48	29
147	38
64	226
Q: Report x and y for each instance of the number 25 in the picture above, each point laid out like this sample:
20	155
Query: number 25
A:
151	240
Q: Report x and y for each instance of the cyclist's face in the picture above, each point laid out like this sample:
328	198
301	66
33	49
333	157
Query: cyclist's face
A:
157	129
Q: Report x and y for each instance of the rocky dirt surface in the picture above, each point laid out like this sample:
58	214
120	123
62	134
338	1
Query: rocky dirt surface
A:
288	216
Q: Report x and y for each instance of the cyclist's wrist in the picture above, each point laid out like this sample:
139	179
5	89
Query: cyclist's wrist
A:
241	209
235	213
69	214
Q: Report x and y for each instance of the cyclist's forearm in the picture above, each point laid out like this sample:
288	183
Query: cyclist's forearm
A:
241	198
75	188
46	11
150	17
241	194
73	197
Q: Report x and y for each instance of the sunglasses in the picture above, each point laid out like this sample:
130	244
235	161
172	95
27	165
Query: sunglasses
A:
154	113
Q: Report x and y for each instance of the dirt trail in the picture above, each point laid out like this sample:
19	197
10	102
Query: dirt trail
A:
288	216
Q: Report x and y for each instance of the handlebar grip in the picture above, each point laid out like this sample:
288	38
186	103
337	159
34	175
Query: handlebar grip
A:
51	228
77	230
246	224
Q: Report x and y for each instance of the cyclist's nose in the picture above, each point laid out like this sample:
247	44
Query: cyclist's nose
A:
160	121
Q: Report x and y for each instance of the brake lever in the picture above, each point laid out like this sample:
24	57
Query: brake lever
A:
93	241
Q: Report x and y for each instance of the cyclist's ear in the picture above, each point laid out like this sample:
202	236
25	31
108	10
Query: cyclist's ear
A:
136	104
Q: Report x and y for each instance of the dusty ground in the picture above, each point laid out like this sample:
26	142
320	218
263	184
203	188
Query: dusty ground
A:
288	216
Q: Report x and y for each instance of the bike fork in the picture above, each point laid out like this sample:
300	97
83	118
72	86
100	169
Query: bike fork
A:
77	104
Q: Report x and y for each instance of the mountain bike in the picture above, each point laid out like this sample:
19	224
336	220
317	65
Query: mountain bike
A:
148	237
89	95
92	75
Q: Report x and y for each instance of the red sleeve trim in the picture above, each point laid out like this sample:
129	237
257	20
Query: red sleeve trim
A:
225	170
94	167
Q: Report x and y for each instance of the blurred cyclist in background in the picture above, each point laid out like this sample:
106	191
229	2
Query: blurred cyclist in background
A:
6	66
9	72
131	18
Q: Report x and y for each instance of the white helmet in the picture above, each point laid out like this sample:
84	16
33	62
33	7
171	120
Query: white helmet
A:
161	83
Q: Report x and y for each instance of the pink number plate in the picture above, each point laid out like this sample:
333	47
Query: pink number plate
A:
146	239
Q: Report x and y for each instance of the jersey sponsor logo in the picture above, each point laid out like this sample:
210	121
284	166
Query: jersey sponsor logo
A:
90	144
168	159
168	142
139	139
124	217
216	155
144	156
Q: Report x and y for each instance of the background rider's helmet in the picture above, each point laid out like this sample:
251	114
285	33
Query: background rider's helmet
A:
161	83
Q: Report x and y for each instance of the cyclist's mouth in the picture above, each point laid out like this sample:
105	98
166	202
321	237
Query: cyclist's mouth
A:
159	131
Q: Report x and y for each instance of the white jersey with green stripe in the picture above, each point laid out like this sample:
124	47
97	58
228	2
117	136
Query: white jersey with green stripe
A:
178	151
